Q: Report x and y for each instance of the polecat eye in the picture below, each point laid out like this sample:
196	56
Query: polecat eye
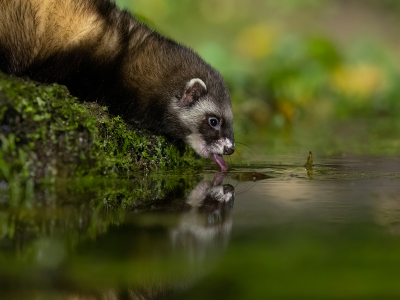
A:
213	122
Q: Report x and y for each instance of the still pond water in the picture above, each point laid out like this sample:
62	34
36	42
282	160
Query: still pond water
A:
276	231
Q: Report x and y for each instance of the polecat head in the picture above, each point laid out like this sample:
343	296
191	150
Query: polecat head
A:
204	110
177	94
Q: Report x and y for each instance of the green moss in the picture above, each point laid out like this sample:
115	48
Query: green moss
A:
97	202
128	148
47	133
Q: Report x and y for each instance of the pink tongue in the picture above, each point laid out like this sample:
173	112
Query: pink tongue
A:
220	161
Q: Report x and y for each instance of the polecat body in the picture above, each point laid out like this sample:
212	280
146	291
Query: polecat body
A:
103	54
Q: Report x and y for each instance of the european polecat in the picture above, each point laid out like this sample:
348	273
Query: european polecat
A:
103	54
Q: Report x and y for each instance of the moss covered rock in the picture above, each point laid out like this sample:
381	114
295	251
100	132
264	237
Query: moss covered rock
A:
45	132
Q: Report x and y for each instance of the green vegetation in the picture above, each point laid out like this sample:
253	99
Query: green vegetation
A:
47	133
97	202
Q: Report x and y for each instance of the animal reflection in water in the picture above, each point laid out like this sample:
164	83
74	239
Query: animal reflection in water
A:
207	224
198	234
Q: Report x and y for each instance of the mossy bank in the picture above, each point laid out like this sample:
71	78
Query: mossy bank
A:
47	133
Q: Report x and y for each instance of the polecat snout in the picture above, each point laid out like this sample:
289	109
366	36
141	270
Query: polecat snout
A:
103	54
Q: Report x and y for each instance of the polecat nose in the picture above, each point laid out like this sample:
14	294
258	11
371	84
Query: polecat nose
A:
229	150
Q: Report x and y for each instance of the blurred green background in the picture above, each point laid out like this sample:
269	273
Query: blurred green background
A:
304	75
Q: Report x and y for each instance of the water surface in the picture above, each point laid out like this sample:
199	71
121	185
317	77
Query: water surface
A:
279	230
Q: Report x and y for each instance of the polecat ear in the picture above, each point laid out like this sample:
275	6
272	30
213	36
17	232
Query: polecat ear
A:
195	88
